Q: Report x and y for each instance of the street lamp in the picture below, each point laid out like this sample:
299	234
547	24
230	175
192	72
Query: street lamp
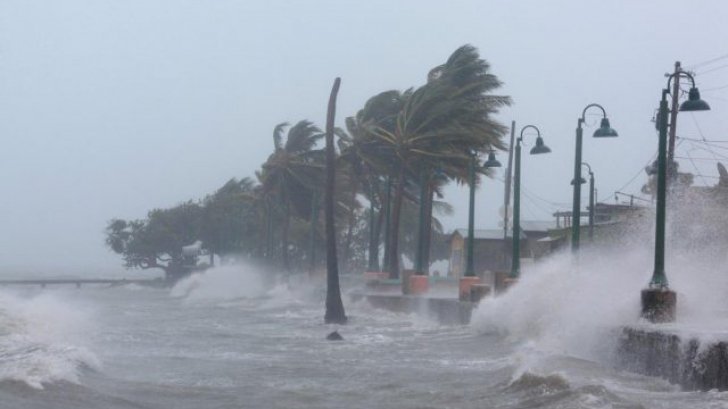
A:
492	162
469	278
604	131
516	233
658	301
591	200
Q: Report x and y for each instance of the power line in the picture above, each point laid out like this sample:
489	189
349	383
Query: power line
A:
713	69
712	60
705	159
703	140
716	88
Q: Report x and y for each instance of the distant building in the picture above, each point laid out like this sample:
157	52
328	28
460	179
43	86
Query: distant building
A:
491	252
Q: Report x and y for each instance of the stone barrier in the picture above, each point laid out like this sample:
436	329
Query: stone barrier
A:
683	360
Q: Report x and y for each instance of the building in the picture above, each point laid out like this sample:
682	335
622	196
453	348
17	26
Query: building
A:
491	252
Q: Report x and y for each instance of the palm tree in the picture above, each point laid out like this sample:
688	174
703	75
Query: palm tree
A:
229	225
440	125
366	162
334	307
290	174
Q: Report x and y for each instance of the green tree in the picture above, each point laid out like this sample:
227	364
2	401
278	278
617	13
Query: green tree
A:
157	241
439	127
230	224
289	176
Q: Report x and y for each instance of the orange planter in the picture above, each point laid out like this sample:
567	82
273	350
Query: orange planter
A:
375	276
419	284
465	284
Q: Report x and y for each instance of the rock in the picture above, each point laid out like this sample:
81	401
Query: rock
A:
334	336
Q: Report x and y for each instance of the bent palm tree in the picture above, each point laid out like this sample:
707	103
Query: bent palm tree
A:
440	125
291	173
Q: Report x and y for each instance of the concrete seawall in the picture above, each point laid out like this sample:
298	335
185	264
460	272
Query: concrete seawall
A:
685	360
448	311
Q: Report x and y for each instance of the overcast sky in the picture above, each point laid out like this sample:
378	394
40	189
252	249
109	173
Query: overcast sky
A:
111	108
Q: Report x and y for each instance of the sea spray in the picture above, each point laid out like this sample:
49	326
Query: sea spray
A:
232	285
221	283
577	307
43	339
561	308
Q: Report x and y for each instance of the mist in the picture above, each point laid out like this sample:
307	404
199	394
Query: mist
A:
111	109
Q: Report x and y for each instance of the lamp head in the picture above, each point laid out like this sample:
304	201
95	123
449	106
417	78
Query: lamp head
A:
492	162
581	181
540	147
694	103
605	131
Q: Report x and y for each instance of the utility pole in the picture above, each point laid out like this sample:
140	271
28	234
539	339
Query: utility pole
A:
673	120
507	195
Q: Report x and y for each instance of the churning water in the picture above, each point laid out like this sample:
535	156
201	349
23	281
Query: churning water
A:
229	339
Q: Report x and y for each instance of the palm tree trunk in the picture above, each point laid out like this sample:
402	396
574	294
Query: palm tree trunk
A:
334	307
314	224
374	223
428	230
286	228
350	226
393	262
268	233
387	223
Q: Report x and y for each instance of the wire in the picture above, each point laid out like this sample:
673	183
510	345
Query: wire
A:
697	171
639	172
703	140
713	69
716	88
712	60
691	158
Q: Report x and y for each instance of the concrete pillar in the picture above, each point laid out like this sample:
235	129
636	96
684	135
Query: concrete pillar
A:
418	284
659	304
478	292
464	287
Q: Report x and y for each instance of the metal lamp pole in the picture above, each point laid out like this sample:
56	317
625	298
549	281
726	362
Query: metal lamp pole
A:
658	301
516	233
492	162
694	103
591	202
469	268
605	130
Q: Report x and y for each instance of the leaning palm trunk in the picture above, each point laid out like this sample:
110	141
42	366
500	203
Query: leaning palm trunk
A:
387	224
334	307
375	223
393	261
426	245
286	229
350	226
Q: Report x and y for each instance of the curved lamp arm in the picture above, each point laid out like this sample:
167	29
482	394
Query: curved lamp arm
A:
678	74
583	113
538	133
588	167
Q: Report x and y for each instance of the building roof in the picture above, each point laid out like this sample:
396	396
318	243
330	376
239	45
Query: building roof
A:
538	225
487	234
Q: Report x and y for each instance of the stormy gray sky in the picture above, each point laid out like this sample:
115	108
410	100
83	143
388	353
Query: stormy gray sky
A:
111	108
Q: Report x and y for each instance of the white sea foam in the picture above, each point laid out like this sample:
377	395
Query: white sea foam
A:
42	339
221	284
564	307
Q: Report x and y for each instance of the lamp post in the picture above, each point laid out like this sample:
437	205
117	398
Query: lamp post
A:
591	202
469	278
492	162
605	130
516	233
658	301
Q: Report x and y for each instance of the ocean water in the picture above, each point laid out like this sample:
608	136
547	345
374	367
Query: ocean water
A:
231	339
